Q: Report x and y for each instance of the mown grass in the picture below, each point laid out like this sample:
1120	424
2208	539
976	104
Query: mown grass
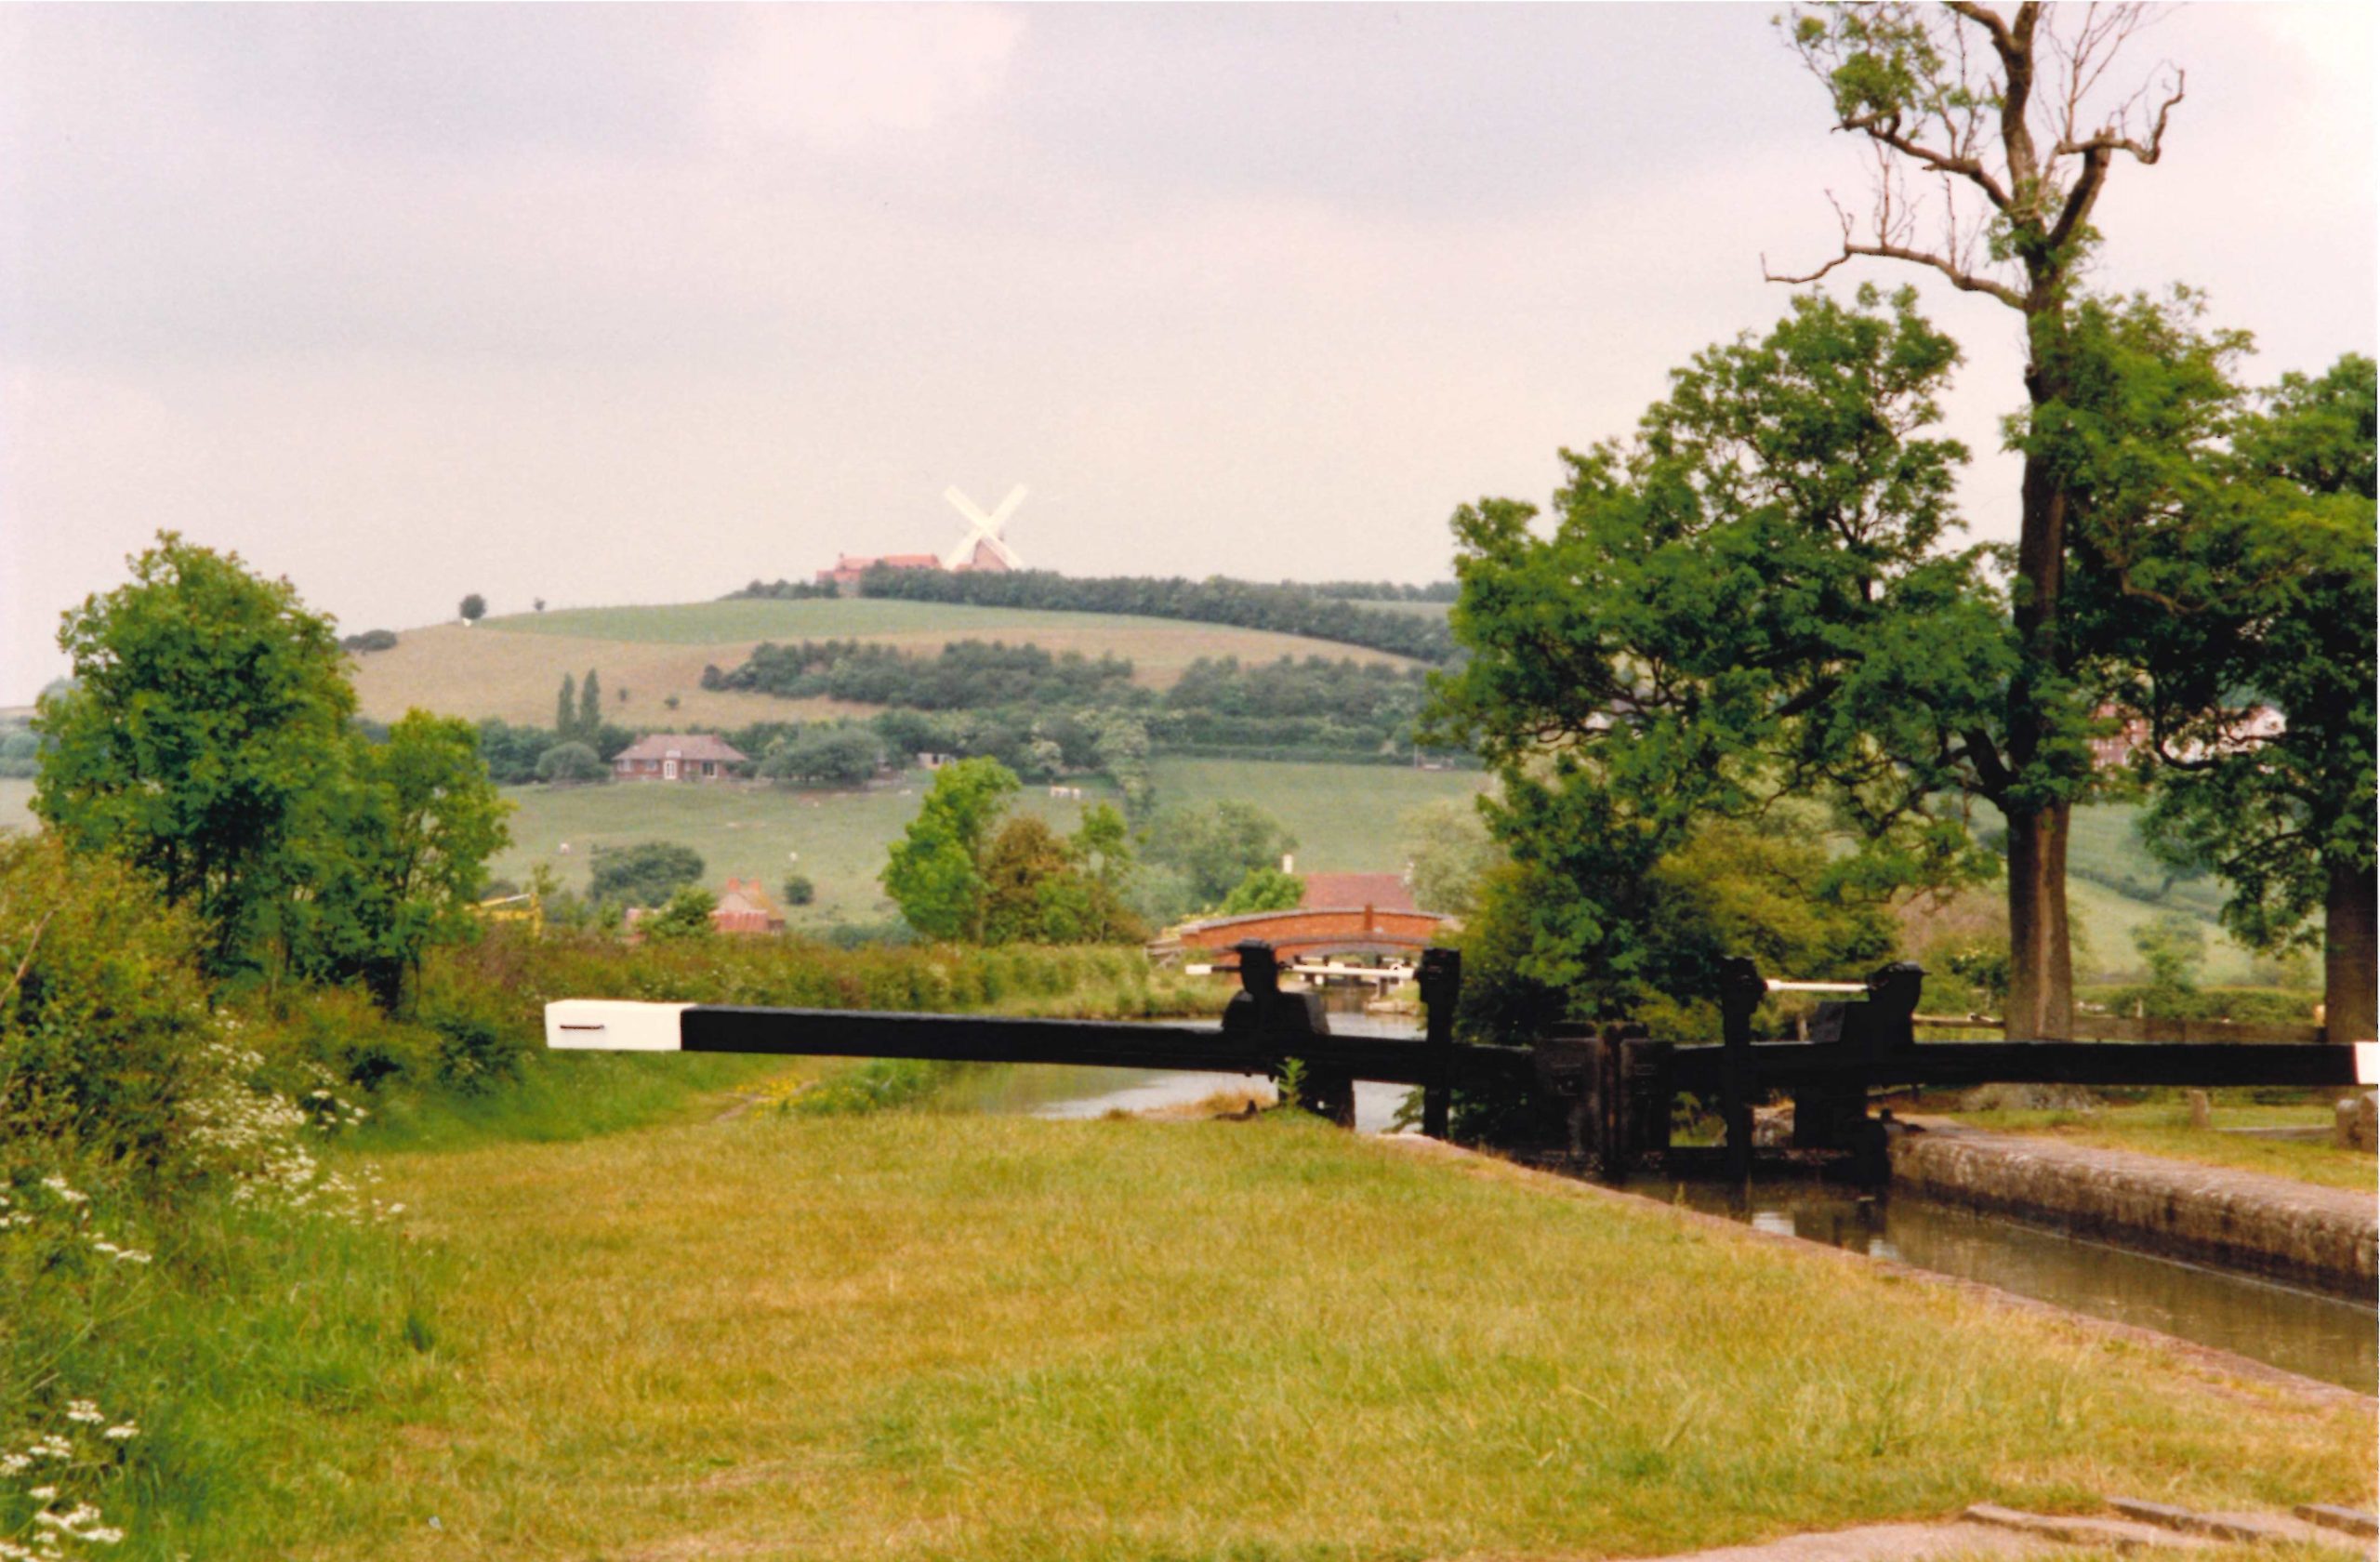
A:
2162	1127
1344	816
927	1335
511	666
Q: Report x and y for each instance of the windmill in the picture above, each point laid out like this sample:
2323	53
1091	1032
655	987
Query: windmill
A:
982	546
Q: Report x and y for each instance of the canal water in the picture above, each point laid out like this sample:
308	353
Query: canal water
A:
2303	1331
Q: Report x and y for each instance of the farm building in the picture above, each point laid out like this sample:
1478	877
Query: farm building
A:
743	907
676	757
849	567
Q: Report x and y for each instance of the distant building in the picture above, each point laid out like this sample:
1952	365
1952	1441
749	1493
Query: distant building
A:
676	757
2241	730
849	567
1356	892
746	907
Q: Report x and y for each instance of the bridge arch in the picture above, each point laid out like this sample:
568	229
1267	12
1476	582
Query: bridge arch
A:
1310	931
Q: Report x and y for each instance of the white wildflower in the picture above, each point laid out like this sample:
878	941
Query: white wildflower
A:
44	1493
120	1432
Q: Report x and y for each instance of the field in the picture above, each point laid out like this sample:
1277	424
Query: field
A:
1344	817
510	667
934	1335
16	805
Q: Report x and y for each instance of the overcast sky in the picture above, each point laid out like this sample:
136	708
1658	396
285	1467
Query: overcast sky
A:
626	304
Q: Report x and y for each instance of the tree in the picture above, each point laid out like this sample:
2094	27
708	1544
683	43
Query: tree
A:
566	710
1753	601
1121	743
646	874
208	706
400	849
1030	888
798	889
570	764
934	872
2255	589
1264	889
537	604
1997	104
839	753
1216	846
474	608
687	916
1451	850
591	709
1102	848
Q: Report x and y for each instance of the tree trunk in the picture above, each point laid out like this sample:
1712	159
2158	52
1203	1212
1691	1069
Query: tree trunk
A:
2349	972
2041	962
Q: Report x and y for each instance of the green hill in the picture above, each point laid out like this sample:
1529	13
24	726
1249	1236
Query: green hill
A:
511	666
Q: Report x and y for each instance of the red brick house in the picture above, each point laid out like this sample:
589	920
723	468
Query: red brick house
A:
746	907
676	757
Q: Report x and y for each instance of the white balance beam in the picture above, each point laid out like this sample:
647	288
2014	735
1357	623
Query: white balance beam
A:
603	1025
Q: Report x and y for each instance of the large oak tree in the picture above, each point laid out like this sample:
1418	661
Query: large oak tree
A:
2002	118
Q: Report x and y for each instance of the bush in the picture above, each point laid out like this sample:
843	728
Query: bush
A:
798	889
369	641
687	916
568	763
646	874
102	1013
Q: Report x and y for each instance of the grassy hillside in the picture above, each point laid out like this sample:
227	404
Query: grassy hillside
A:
511	667
1344	817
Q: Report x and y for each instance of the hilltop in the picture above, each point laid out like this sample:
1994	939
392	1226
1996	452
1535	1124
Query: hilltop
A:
511	667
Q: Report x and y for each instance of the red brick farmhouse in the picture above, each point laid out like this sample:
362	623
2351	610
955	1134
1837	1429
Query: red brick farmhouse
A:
675	757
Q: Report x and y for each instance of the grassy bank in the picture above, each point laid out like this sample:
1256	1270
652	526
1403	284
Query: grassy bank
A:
2162	1127
921	1335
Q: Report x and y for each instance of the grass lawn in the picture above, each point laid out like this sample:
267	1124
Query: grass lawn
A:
2162	1127
513	667
923	1335
1344	817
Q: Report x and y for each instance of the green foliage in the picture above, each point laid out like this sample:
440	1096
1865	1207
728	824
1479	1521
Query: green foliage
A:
19	755
1284	609
838	753
1217	846
934	873
566	708
964	674
473	608
1751	599
207	712
2173	948
400	849
102	1011
798	889
570	764
1264	889
368	642
1121	745
646	874
686	917
591	708
1447	844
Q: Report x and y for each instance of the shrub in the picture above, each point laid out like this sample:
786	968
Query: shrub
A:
101	1010
566	763
798	889
646	874
369	641
686	916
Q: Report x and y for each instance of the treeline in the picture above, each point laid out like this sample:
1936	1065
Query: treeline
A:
1284	609
968	674
1382	591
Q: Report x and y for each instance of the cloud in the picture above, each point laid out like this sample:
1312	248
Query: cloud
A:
833	76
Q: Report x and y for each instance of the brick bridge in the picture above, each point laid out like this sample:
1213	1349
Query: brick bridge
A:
1312	930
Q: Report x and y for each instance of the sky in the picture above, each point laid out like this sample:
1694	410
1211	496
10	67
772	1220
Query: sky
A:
614	304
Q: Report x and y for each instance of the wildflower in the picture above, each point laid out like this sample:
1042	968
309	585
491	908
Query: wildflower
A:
43	1492
119	1433
84	1411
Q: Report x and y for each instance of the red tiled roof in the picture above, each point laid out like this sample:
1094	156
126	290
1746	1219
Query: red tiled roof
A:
682	745
1348	892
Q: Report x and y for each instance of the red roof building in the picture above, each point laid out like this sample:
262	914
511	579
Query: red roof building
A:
849	567
746	907
1352	892
676	757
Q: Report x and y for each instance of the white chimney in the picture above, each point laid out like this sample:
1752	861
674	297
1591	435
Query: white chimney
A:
1288	863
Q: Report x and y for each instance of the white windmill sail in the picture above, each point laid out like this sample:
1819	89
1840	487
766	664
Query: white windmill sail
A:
983	531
